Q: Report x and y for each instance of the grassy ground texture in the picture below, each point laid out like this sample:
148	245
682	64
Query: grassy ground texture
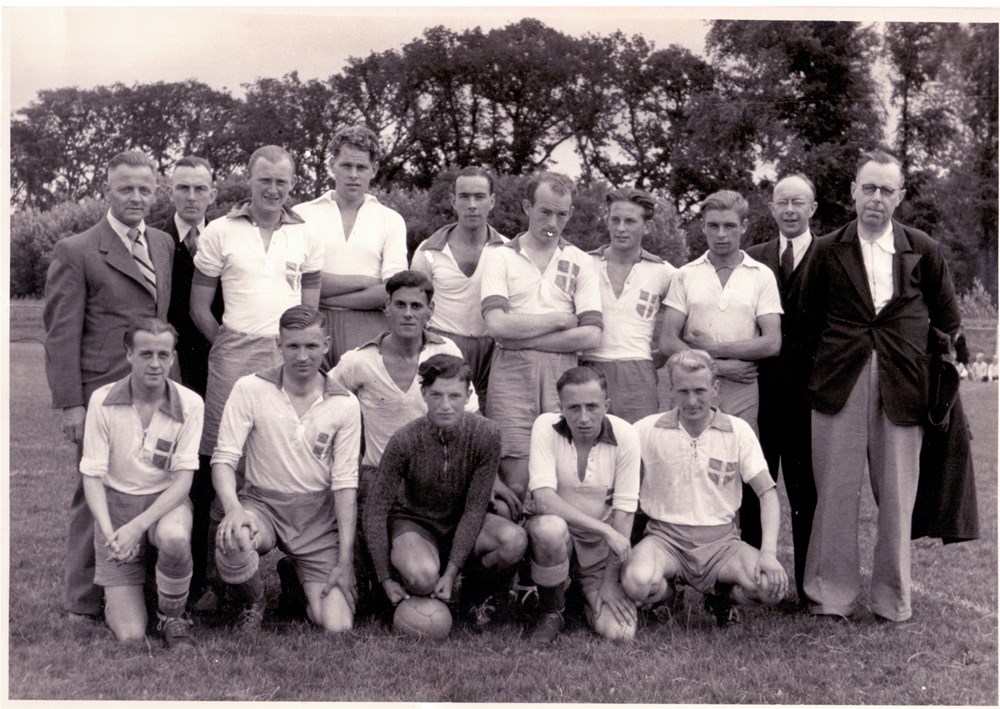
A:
946	655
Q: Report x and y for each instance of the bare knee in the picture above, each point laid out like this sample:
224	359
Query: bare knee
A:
128	630
638	581
513	543
419	575
549	535
338	623
175	544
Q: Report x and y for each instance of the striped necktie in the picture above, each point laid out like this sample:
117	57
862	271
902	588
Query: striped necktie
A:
142	260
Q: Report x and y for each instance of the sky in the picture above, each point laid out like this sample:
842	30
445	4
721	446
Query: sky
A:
224	47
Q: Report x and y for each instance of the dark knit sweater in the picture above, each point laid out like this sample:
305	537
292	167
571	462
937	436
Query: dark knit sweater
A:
441	479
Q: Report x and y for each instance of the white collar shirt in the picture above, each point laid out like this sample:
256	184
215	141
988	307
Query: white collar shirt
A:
877	255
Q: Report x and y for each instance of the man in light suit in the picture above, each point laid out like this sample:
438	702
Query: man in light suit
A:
872	290
97	283
192	192
784	415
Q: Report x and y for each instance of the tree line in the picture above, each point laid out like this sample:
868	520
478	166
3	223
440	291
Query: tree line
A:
769	97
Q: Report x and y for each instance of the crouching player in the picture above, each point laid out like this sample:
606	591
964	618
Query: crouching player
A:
427	506
695	459
583	475
140	451
302	435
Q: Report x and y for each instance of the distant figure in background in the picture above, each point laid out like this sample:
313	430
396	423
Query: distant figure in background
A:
634	285
98	282
364	242
451	257
980	369
140	450
994	370
193	192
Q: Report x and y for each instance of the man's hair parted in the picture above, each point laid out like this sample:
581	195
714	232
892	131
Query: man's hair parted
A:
880	156
724	200
582	375
630	194
133	158
443	366
410	279
474	171
299	317
154	326
194	161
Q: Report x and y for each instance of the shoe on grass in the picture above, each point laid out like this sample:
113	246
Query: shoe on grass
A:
176	632
547	628
483	614
723	608
250	619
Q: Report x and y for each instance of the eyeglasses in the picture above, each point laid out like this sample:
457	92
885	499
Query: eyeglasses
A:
869	190
796	203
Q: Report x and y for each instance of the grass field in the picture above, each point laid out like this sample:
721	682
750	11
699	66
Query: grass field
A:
946	655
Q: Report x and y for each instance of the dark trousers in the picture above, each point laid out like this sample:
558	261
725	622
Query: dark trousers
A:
81	594
785	438
202	494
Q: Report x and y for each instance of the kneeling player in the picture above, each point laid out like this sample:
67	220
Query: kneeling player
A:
695	459
583	475
140	451
302	435
427	504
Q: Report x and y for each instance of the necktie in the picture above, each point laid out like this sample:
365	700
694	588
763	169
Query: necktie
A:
142	260
787	263
191	241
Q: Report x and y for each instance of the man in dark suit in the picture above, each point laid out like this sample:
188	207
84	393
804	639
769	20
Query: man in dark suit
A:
872	290
784	415
97	283
192	193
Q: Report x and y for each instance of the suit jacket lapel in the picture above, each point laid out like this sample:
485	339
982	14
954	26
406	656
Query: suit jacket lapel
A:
117	256
163	260
848	252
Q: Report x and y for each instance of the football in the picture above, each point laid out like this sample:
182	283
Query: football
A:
422	617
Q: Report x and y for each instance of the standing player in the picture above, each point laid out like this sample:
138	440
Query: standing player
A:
726	304
267	261
426	511
140	451
364	241
302	435
633	285
451	258
584	481
542	302
694	456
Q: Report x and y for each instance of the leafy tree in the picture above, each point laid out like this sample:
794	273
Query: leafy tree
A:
810	94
